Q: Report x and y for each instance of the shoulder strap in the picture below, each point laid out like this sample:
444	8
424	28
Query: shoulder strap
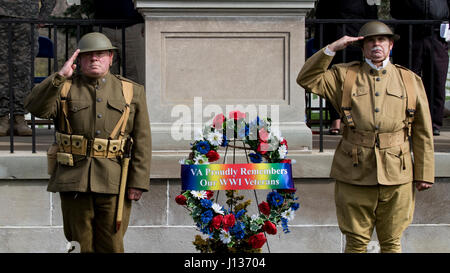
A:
346	103
66	88
127	90
64	125
410	97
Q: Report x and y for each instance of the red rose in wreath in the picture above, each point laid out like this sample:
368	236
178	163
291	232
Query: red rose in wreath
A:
257	240
181	200
216	221
264	208
270	228
212	156
236	115
209	194
228	221
218	121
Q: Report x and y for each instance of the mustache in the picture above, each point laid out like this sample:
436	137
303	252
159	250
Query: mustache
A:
377	48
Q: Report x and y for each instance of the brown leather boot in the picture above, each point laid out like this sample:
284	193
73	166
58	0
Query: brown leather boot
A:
4	125
20	126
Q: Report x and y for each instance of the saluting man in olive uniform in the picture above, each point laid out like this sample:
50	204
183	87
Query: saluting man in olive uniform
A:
383	106
88	171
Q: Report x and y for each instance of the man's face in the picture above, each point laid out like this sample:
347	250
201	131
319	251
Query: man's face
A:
377	48
96	64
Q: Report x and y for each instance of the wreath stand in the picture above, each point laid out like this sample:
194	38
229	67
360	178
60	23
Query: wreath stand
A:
243	147
198	178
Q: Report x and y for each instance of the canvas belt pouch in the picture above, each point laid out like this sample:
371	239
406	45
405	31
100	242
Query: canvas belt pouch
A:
115	148
64	142
99	147
74	144
64	158
79	145
64	155
107	148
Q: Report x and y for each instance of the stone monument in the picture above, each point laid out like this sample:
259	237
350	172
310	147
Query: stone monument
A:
209	57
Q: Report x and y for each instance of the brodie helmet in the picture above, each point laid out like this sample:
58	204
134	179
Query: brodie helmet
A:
375	28
94	41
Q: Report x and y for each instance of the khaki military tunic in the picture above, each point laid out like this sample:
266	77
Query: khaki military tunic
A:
95	107
379	102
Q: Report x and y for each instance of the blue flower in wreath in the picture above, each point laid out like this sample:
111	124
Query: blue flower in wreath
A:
205	229
224	141
239	213
275	199
257	122
243	131
284	224
295	206
207	216
203	147
255	157
207	204
238	230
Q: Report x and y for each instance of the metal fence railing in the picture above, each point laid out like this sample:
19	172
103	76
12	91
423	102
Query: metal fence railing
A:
73	29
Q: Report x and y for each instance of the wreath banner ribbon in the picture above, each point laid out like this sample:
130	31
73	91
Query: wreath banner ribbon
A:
259	176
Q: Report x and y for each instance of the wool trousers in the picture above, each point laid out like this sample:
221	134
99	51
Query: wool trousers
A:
361	209
90	219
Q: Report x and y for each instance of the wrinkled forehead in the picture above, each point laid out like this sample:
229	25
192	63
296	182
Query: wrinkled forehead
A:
378	38
369	41
100	53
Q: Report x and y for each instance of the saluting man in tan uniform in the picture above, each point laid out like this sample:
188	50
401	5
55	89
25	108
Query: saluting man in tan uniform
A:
88	172
383	107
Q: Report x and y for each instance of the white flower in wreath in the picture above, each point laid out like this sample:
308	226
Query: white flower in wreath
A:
215	138
217	208
288	214
200	159
225	237
282	150
275	132
199	194
198	135
182	161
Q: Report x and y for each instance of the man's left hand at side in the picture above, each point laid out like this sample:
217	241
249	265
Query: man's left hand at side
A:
421	185
134	194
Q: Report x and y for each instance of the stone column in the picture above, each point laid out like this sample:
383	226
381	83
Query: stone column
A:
210	57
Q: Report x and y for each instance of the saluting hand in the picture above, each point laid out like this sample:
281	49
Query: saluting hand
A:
343	43
69	67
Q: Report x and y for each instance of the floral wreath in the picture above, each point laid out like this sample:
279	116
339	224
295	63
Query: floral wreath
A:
232	230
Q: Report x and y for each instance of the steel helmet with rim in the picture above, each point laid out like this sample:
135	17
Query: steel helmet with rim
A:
94	41
375	28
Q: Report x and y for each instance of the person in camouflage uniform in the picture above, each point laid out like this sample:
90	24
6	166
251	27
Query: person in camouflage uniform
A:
21	58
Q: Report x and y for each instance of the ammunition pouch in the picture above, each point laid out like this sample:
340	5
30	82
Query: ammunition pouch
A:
64	159
69	145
